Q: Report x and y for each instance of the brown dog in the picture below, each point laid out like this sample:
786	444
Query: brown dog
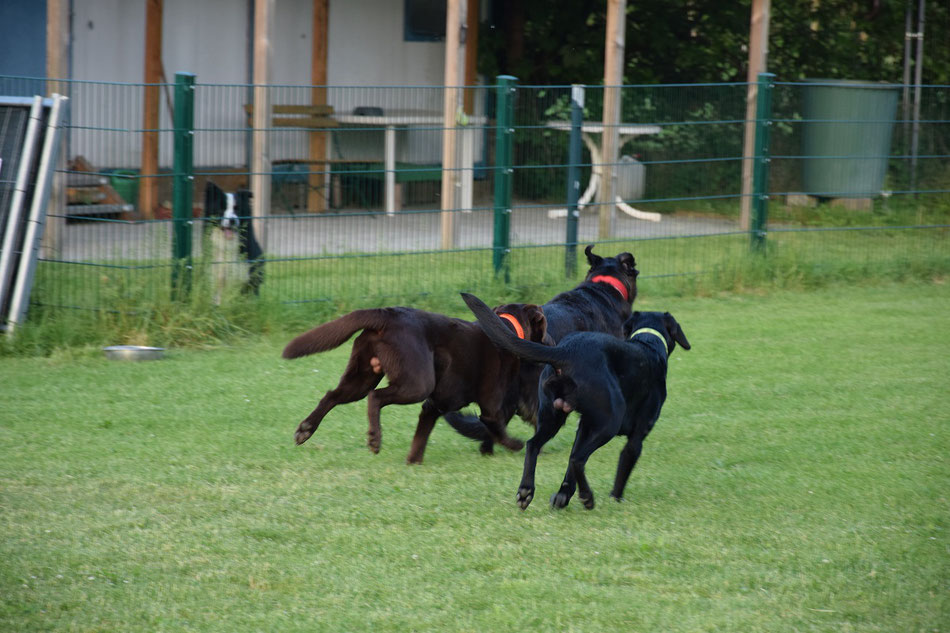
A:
444	363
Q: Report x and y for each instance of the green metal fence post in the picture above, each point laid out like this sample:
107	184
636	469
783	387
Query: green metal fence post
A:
573	179
183	191
504	175
760	168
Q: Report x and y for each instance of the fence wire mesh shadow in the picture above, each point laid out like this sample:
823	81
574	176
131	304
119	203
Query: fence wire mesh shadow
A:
351	208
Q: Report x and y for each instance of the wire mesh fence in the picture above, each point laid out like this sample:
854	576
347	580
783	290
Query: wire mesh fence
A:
355	206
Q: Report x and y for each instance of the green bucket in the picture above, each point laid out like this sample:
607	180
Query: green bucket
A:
126	184
846	137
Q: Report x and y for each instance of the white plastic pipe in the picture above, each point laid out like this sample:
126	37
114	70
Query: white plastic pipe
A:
34	228
19	193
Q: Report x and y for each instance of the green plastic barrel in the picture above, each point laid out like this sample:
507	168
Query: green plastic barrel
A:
846	137
126	184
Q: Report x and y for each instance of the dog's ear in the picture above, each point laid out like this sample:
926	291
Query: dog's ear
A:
212	193
628	263
243	198
593	260
538	323
675	331
629	324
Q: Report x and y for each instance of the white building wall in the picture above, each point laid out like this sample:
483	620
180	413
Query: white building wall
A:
107	40
211	38
208	38
367	48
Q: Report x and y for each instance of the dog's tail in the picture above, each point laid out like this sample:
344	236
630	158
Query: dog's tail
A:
335	333
504	338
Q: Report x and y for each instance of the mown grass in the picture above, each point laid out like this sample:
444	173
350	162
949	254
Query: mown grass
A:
893	211
796	481
100	305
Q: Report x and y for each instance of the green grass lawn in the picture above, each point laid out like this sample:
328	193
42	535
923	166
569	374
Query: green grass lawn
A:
797	480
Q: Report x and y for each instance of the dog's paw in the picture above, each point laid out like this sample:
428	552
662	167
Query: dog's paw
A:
617	498
487	447
374	443
415	455
560	499
587	501
302	435
524	497
512	444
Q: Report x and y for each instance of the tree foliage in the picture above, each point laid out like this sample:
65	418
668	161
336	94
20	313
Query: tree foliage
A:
694	41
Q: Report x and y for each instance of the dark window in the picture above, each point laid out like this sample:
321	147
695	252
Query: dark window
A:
424	20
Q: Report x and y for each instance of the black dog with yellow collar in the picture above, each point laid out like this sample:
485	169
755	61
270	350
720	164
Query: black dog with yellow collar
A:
617	385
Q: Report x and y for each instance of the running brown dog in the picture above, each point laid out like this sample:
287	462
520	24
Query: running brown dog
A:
444	363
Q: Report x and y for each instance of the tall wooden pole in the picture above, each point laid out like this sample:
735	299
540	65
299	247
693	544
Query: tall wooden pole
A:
57	44
148	184
758	59
613	78
260	152
316	200
455	9
57	67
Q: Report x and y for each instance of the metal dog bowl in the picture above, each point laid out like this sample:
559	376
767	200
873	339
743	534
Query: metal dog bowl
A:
133	352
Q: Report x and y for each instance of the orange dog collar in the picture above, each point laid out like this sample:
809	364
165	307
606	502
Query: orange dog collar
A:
614	282
511	319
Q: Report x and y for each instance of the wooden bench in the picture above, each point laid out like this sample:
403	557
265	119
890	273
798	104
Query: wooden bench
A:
303	116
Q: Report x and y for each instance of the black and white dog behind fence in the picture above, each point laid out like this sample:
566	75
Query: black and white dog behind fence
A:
236	256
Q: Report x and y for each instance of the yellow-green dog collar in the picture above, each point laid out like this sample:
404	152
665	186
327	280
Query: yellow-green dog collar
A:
650	330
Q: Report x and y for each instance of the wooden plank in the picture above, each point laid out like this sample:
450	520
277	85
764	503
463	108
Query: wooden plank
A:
311	110
308	122
108	194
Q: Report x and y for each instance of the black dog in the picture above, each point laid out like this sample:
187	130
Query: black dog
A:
236	254
618	386
601	303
